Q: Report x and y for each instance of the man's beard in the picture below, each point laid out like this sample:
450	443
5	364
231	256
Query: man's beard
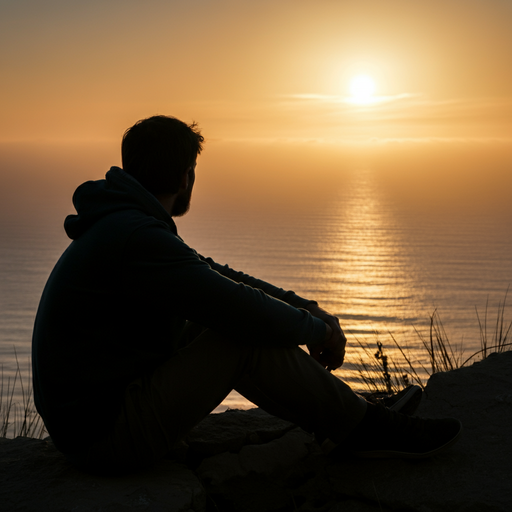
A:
181	204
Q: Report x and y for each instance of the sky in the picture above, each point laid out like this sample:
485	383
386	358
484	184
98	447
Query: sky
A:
269	83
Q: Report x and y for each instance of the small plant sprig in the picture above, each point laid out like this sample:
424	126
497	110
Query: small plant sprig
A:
377	374
383	359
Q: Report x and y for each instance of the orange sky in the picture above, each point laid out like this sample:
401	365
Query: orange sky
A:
268	82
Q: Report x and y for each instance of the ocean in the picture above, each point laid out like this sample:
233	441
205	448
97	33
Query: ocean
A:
383	267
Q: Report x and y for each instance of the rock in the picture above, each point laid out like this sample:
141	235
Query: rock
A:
251	480
264	460
36	477
233	429
249	461
474	475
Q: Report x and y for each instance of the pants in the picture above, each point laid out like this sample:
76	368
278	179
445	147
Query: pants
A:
161	408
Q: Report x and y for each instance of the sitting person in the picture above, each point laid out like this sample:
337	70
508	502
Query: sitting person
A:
138	337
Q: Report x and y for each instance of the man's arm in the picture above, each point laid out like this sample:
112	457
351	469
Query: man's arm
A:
330	352
161	265
289	296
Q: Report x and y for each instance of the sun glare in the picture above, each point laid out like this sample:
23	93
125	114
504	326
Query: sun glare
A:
362	88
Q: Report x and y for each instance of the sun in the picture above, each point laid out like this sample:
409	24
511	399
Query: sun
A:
362	88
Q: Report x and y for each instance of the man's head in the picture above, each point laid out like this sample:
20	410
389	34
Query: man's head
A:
159	151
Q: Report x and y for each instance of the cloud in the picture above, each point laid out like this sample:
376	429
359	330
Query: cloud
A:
412	114
413	103
371	141
336	99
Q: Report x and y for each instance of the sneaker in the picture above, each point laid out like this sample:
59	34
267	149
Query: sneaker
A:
390	434
405	401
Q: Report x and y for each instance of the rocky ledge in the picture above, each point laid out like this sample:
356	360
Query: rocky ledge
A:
250	461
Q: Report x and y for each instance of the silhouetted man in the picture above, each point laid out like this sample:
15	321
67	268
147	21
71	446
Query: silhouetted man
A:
137	337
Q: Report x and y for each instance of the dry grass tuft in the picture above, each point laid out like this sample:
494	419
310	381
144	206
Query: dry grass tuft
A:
380	374
19	419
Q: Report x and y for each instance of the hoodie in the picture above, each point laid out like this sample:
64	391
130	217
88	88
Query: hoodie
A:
118	299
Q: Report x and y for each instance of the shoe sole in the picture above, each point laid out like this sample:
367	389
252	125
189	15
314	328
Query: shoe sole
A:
393	454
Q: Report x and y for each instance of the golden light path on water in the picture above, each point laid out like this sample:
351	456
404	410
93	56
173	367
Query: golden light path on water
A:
364	268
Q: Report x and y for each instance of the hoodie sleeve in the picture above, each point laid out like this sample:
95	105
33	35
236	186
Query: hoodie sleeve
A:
160	265
289	296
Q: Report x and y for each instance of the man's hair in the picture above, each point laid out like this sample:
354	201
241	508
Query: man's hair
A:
157	151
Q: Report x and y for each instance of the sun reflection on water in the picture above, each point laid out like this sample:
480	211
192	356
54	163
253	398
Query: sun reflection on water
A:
362	271
363	275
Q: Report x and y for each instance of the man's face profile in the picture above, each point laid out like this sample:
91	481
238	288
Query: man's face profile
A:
182	202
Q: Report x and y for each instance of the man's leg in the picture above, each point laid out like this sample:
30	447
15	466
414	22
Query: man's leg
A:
162	408
290	384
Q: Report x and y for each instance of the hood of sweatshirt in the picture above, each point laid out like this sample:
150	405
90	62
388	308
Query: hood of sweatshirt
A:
94	200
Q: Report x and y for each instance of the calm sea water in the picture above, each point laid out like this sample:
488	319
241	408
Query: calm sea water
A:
379	267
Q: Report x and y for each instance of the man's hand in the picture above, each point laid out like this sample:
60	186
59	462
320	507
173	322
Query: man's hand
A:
331	352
